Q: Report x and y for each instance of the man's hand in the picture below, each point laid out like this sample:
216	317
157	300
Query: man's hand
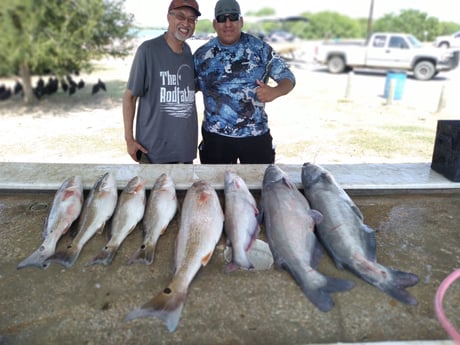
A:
265	93
132	147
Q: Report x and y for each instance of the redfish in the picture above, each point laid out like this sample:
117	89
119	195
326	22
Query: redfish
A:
99	206
201	226
66	208
128	213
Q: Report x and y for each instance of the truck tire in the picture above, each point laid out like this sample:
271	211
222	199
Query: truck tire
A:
424	70
336	64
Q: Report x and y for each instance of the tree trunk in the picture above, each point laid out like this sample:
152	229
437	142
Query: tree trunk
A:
24	73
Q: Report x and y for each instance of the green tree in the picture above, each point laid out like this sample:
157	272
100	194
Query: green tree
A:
337	26
448	28
415	22
265	11
204	26
328	24
60	36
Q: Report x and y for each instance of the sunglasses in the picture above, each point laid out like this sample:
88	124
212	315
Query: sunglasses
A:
182	18
223	17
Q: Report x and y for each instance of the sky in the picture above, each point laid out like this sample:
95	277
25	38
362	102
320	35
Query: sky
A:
152	13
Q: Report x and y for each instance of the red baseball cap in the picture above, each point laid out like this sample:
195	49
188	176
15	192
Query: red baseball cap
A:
185	3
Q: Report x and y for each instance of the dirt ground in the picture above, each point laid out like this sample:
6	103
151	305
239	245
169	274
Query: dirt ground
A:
326	119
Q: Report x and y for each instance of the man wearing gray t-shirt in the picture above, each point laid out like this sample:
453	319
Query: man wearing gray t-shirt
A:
161	85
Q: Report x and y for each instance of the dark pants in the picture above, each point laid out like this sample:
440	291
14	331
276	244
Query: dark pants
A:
219	149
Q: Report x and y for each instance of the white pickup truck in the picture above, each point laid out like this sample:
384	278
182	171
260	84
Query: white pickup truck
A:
387	51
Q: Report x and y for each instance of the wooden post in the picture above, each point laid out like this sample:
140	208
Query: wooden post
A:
391	91
442	100
348	89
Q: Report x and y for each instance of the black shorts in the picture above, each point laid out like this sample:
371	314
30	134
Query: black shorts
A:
219	149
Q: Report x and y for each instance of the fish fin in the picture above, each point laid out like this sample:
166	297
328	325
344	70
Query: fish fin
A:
338	285
238	261
321	298
260	215
392	282
104	257
163	230
312	285
287	181
230	267
316	216
66	258
355	209
36	259
101	229
317	287
370	241
145	254
339	264
317	254
253	237
167	306
397	285
206	258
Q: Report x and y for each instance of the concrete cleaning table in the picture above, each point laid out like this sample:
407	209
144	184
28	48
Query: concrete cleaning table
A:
415	211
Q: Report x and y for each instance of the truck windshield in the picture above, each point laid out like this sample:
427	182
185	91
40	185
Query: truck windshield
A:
413	41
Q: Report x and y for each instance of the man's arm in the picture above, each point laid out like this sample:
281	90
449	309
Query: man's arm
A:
129	111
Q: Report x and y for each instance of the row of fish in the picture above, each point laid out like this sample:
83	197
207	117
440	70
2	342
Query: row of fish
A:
295	227
102	204
296	224
201	227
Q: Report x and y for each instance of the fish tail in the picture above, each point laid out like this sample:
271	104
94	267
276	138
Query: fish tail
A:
319	297
397	284
66	258
36	259
317	287
338	285
167	306
145	254
238	263
230	267
104	257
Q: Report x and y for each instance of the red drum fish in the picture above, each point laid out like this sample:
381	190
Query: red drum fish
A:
161	207
66	208
201	226
128	213
97	210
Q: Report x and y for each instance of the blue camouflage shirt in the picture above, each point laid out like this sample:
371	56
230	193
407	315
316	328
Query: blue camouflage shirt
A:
227	77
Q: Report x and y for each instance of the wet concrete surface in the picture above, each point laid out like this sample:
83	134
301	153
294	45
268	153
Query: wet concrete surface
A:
418	233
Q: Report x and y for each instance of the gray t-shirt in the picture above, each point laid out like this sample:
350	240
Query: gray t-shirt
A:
167	124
